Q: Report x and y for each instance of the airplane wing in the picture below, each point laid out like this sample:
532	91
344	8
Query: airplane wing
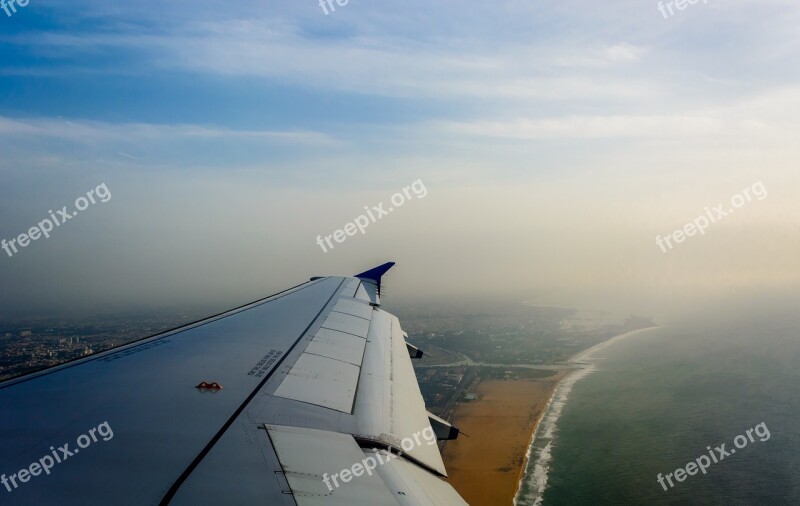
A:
305	397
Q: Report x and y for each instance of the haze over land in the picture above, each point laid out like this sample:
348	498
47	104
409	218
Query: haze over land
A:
556	142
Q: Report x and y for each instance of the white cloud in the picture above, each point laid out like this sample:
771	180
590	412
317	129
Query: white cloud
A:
90	131
589	127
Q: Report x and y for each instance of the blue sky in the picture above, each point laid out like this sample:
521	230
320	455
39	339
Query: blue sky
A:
557	139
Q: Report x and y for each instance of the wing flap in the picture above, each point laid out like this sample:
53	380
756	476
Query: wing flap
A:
354	307
338	345
322	381
313	460
414	486
347	323
390	407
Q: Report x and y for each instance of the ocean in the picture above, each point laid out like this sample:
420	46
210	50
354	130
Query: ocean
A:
655	401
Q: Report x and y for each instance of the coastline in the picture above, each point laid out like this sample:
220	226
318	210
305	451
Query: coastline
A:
523	471
583	355
486	467
537	471
500	463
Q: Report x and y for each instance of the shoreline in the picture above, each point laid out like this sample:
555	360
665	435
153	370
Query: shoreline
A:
582	355
486	468
523	471
508	418
587	368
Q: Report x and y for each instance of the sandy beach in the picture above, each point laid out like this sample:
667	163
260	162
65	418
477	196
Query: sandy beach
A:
486	467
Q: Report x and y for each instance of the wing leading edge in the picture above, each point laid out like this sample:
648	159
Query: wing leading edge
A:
318	403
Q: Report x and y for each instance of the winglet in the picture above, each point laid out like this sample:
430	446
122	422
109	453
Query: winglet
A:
375	274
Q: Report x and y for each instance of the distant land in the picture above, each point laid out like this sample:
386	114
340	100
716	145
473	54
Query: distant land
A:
489	367
31	344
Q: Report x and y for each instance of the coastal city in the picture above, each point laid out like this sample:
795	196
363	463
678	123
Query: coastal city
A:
28	345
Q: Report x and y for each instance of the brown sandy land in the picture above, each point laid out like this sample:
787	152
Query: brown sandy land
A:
485	468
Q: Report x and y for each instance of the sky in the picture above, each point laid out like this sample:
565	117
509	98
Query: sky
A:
555	141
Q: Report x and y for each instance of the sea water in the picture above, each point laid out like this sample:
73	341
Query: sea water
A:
655	401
